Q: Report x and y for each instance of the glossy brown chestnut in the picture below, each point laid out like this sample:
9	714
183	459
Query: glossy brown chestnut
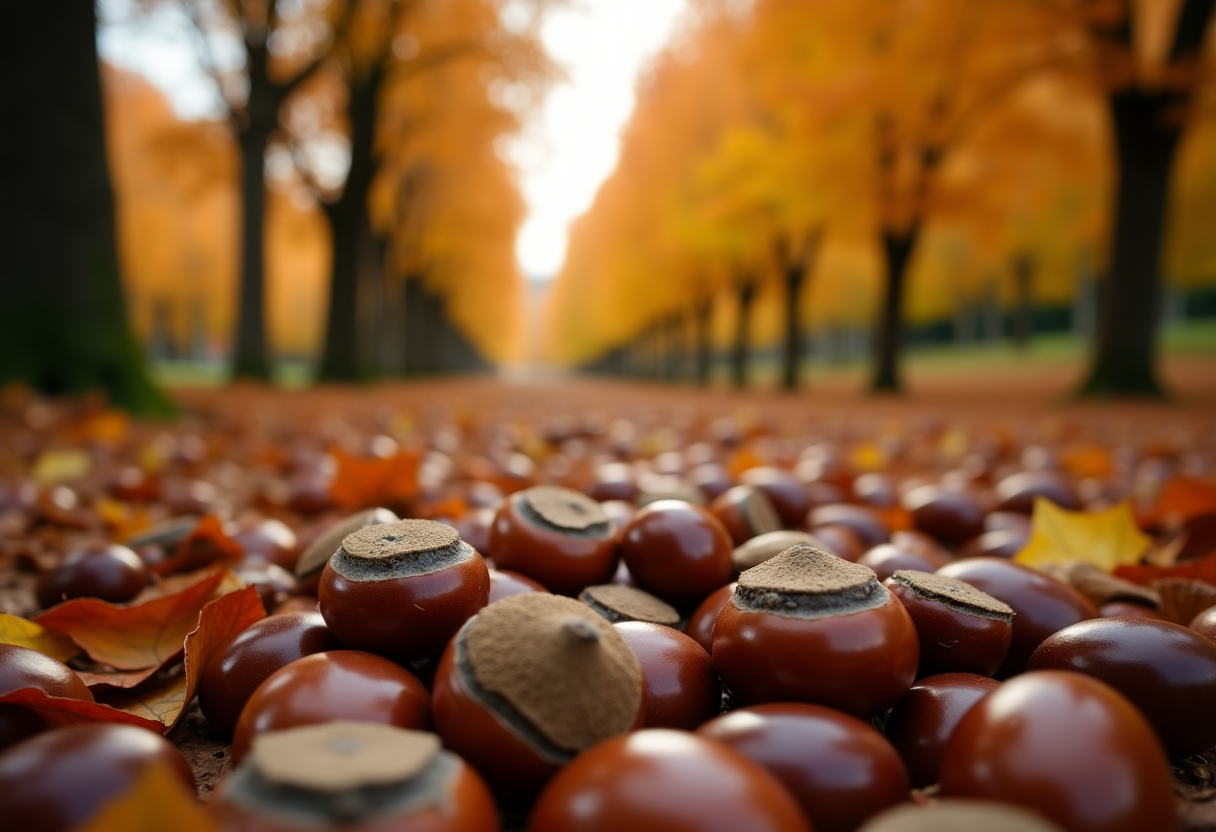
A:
665	780
701	623
1128	609
320	549
959	815
886	559
21	667
237	669
682	687
111	572
1167	671
1001	543
559	537
339	684
746	512
788	495
1205	624
1041	604
530	682
269	541
474	528
860	520
840	540
1067	746
806	626
1017	492
949	516
759	549
58	780
961	630
876	490
677	551
504	583
922	722
354	777
808	747
403	589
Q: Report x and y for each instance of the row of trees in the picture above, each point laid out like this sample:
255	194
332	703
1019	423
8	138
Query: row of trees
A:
385	113
876	141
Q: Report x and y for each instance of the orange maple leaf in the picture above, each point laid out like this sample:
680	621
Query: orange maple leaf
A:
367	482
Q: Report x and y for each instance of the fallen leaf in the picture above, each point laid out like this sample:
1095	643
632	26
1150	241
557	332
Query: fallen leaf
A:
61	465
173	584
59	711
99	682
106	426
25	633
157	801
134	637
124	519
896	518
220	620
366	482
1203	569
1106	539
1088	462
206	545
1182	499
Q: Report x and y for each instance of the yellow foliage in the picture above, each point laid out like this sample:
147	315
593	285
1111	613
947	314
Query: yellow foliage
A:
1106	539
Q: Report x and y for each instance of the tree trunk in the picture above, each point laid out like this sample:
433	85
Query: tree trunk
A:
345	357
704	342
889	331
63	320
792	354
1146	132
250	358
747	293
675	347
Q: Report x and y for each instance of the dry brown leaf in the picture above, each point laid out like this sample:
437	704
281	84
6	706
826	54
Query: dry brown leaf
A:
166	699
366	482
135	637
207	545
1182	499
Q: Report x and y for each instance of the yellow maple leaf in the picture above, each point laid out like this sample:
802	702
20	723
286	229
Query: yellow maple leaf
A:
158	801
1106	539
25	633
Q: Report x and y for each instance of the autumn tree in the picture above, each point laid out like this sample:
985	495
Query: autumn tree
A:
63	320
1150	101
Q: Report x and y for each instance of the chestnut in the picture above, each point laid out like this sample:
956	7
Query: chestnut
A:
949	516
21	667
746	512
1128	609
960	628
887	558
701	623
236	670
1001	543
339	684
1041	604
312	560
922	722
1165	670
1018	492
661	779
860	520
808	748
617	603
528	683
559	537
840	540
762	547
58	780
682	687
787	494
678	551
355	777
1205	624
806	626
1066	746
403	589
474	527
268	542
111	572
504	583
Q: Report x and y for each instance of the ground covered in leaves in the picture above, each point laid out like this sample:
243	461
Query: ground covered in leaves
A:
74	472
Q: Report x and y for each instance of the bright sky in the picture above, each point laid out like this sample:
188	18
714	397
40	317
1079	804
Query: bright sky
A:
568	150
574	144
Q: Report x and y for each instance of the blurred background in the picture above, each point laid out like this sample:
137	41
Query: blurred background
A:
742	192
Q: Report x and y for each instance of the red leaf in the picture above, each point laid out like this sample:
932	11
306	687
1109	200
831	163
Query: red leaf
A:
206	545
1203	569
60	711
